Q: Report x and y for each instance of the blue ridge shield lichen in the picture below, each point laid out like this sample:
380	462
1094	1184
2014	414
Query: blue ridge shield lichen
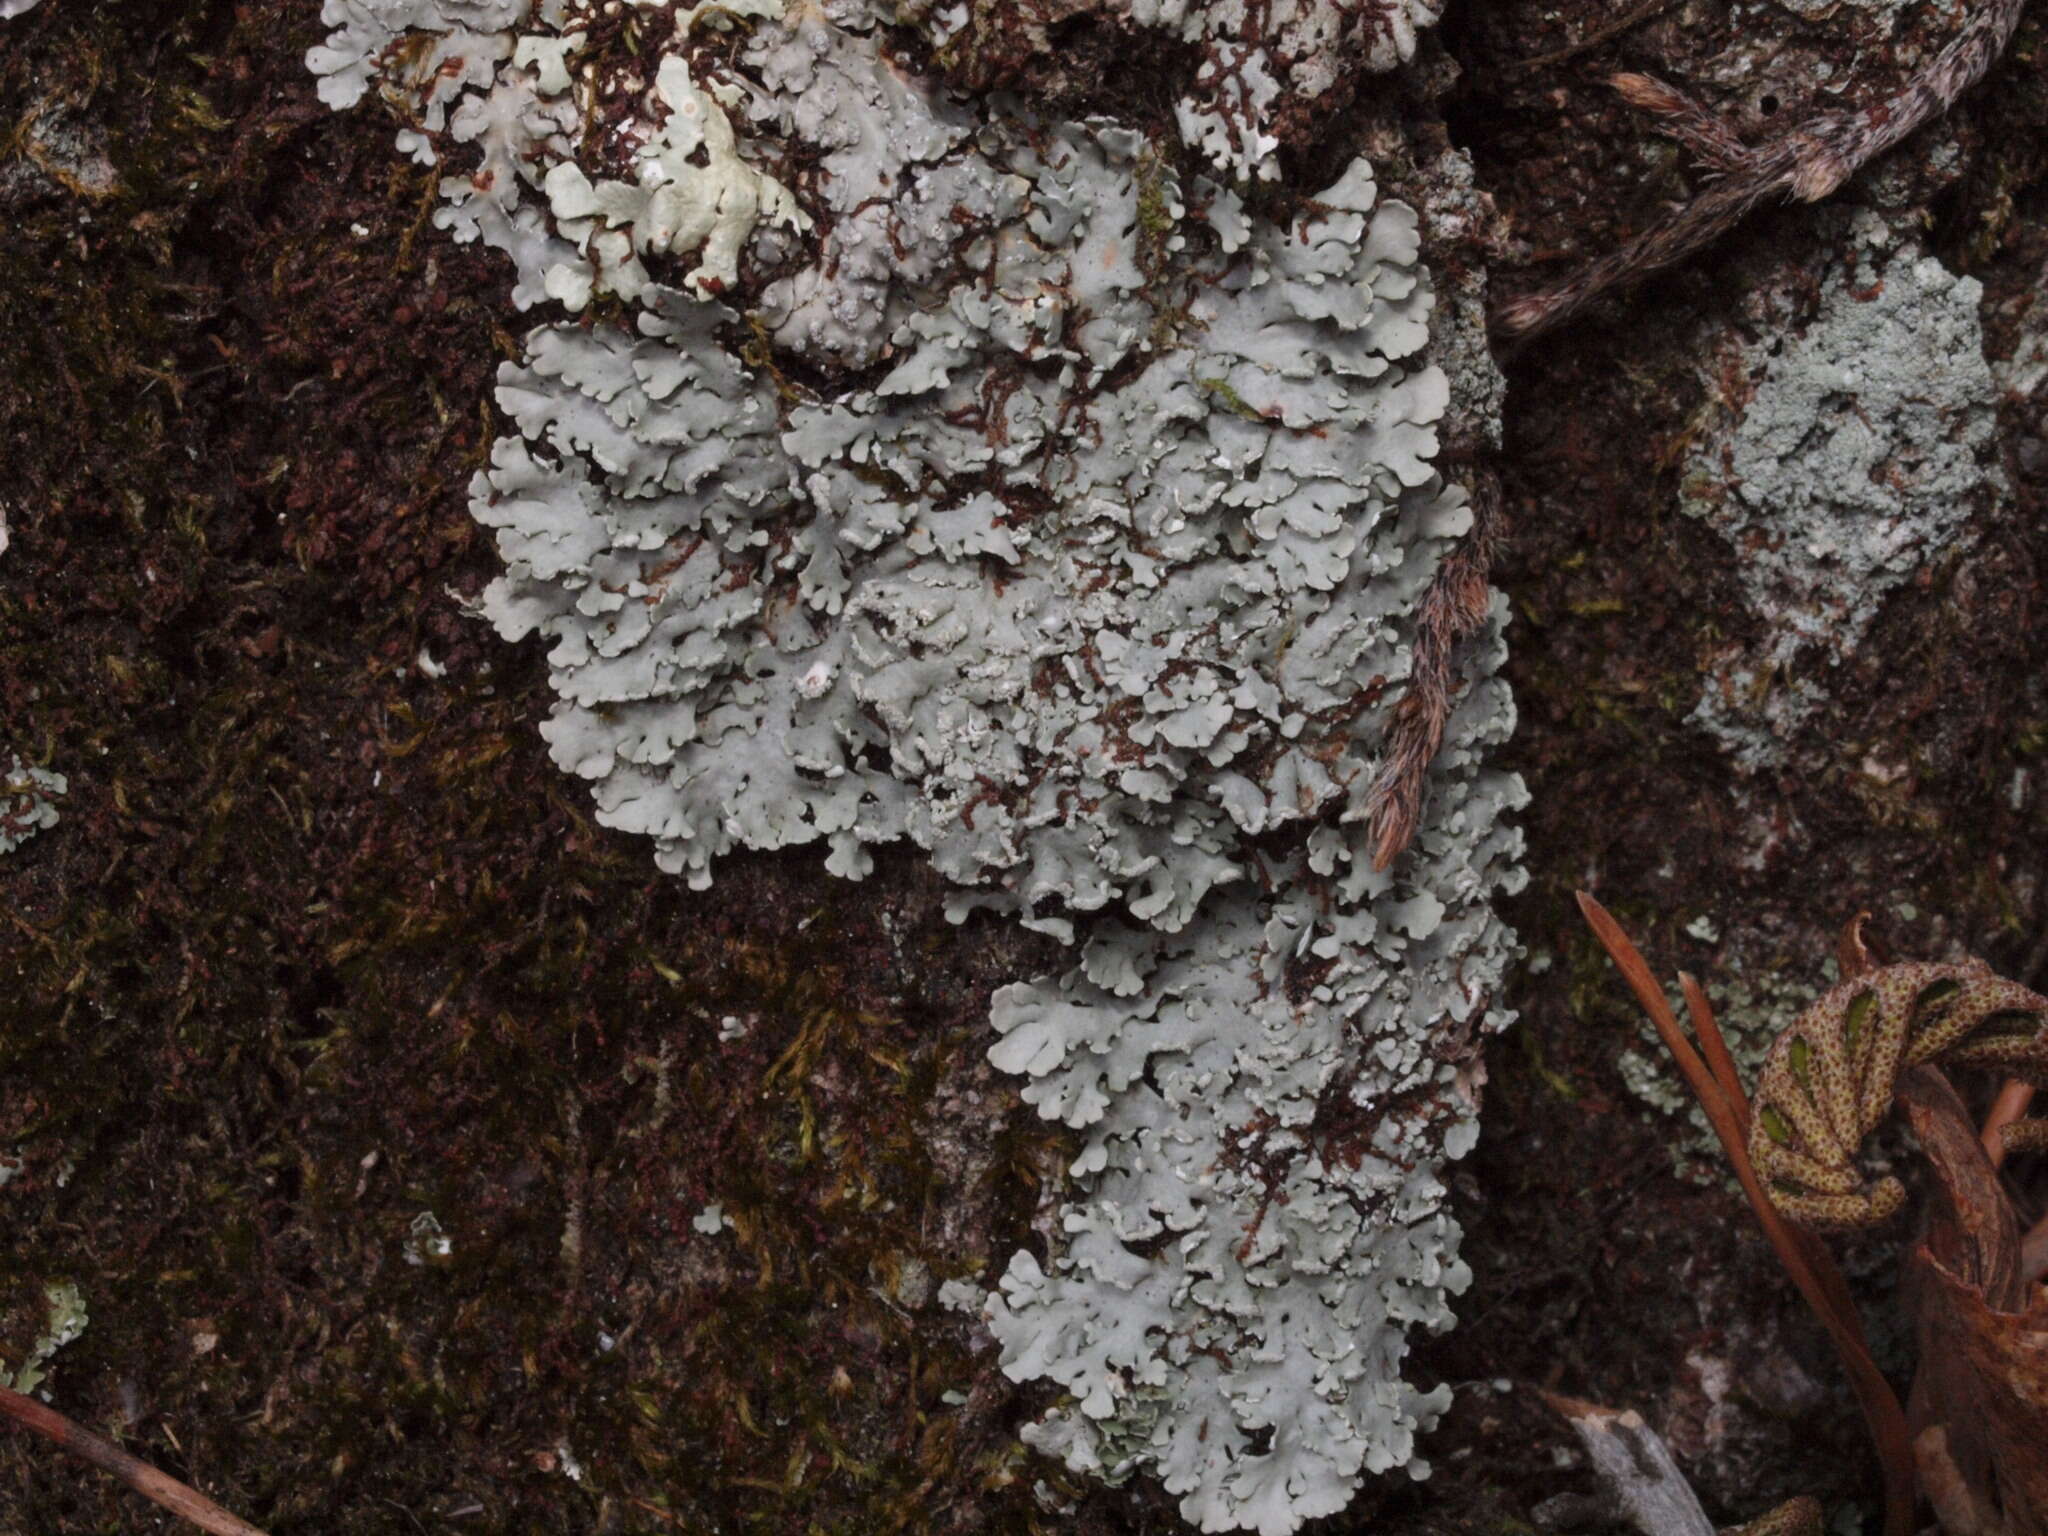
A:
28	800
1097	583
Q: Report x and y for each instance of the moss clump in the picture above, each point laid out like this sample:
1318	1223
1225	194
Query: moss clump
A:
322	943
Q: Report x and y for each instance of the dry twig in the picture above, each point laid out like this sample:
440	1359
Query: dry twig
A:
137	1474
1635	15
1636	1465
1639	1471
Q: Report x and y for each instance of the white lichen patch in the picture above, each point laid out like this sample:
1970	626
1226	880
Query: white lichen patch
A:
1839	459
28	800
1095	577
690	193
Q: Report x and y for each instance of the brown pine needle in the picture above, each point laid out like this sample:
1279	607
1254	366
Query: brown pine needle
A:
1852	951
137	1474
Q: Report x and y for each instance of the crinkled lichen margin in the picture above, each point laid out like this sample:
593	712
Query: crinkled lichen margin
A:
28	800
1096	580
1260	68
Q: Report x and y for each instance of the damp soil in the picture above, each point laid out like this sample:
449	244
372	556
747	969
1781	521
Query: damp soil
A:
427	1161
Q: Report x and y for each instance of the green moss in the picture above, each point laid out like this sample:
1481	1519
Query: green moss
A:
1231	399
323	943
1532	1052
1157	219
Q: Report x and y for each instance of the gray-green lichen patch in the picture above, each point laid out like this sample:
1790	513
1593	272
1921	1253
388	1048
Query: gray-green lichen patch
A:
28	801
1258	63
1839	456
2027	369
1455	212
1883	13
65	1321
1096	578
2021	368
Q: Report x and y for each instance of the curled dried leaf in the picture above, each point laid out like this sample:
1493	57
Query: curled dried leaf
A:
1980	1398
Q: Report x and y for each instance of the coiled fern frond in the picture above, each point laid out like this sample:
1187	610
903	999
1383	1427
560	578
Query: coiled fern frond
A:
1829	1079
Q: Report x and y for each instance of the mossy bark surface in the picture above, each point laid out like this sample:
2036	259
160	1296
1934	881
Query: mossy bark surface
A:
324	946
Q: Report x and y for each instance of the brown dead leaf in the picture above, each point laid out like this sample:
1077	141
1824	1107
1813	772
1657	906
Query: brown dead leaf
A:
1852	950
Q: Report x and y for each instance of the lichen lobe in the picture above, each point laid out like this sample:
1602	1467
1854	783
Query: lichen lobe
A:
1095	580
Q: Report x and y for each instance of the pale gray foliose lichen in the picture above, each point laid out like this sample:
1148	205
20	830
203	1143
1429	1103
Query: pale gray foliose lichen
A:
66	1320
1094	576
28	800
1260	59
1839	461
1259	62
